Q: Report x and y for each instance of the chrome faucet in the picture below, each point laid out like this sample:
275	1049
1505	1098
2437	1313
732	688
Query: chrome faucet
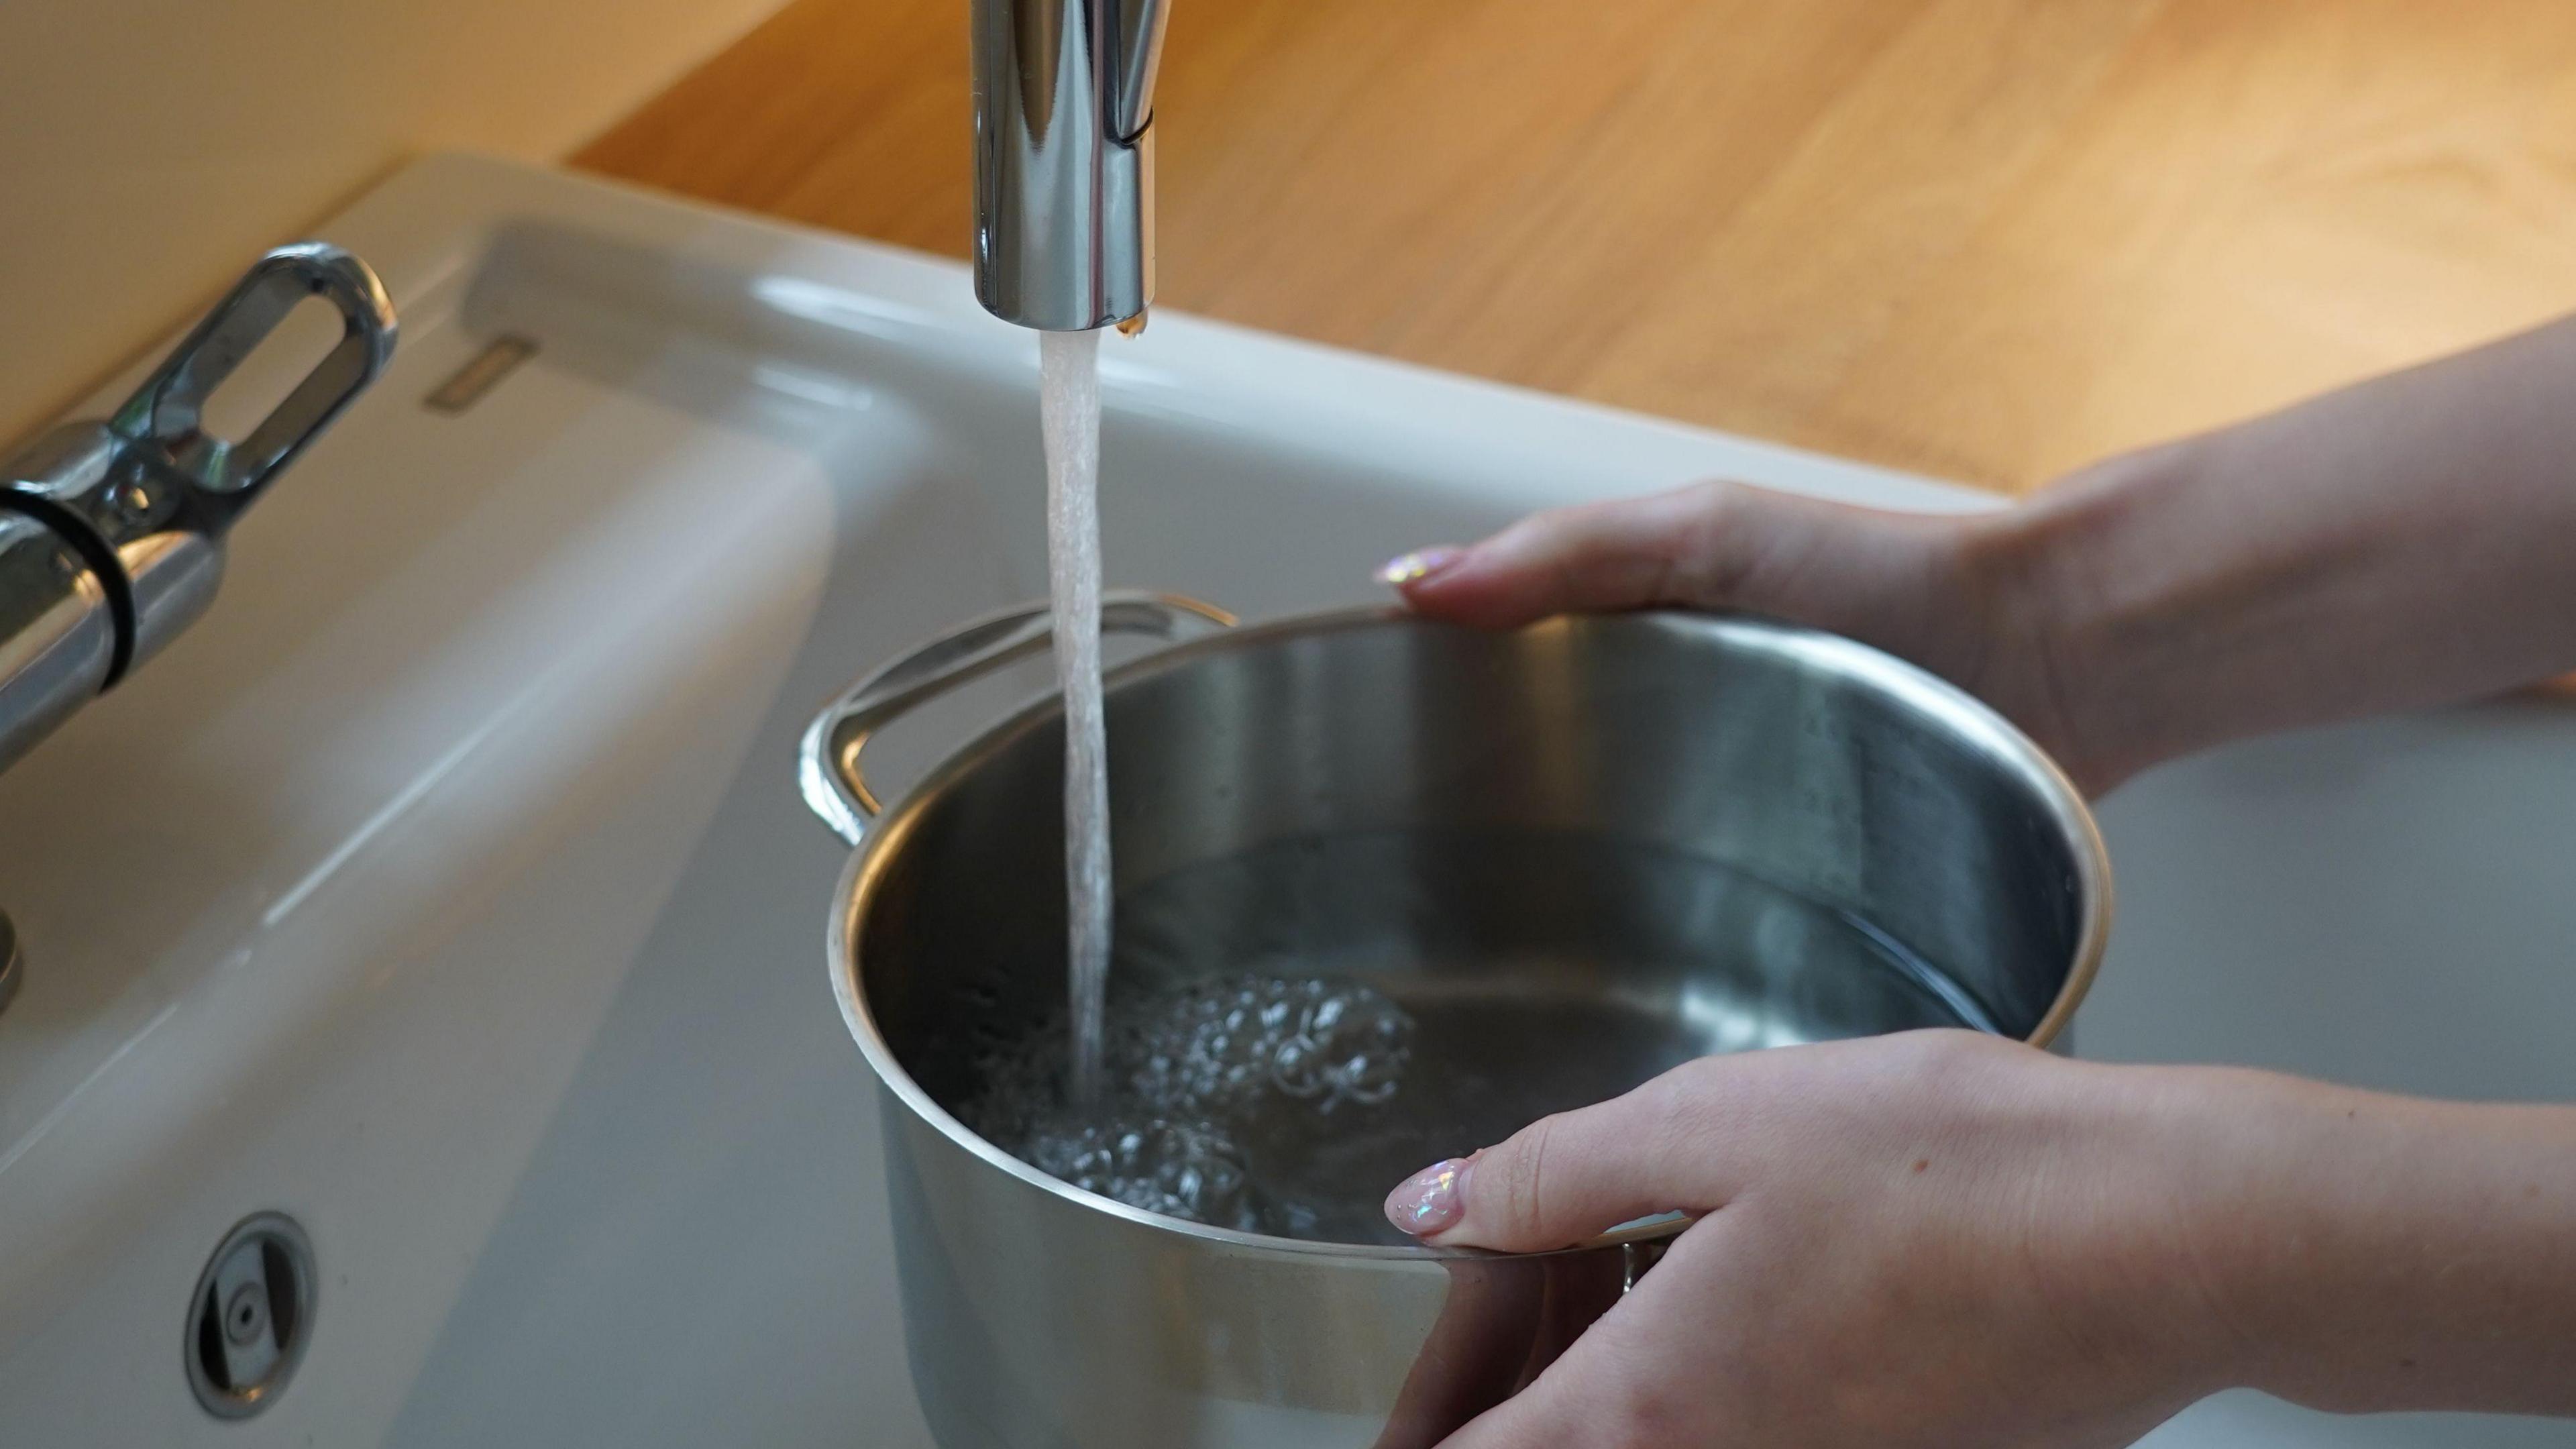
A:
1064	160
112	532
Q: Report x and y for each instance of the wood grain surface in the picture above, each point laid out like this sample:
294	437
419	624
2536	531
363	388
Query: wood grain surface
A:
1986	239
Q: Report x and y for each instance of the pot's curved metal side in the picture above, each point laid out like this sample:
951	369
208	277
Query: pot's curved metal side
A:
1075	1327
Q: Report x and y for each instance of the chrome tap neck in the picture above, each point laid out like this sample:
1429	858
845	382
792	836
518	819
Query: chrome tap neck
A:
1064	159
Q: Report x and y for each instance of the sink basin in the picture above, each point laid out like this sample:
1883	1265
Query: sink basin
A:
447	889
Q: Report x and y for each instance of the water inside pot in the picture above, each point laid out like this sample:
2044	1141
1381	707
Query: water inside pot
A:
1294	1029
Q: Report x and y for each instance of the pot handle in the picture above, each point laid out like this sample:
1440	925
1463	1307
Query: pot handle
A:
827	768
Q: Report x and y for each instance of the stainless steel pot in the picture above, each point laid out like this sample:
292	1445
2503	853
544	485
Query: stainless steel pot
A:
1585	850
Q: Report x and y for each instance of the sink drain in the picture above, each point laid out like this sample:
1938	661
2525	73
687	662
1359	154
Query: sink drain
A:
251	1316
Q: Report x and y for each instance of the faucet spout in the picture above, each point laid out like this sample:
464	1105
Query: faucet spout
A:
1064	159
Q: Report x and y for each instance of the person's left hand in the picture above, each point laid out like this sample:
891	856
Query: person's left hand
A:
1924	1241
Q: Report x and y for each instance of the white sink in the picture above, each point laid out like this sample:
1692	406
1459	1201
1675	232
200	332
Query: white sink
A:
447	888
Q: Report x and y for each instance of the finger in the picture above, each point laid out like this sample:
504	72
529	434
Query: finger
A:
1614	1389
1580	1288
1475	1353
1876	575
1603	1393
1565	1178
1556	1412
1618	555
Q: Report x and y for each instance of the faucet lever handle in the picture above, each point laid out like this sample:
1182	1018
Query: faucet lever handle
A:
167	411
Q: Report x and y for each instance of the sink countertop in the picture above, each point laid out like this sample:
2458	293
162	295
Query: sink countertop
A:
1982	239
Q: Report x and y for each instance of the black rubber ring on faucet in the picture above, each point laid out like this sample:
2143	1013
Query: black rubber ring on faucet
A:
75	532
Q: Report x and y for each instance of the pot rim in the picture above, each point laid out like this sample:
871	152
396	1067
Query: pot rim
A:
1963	712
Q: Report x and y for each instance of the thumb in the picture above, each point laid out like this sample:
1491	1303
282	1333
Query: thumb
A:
1564	1178
1714	545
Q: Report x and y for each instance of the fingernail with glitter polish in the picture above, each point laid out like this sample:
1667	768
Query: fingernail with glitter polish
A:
1431	1200
1419	565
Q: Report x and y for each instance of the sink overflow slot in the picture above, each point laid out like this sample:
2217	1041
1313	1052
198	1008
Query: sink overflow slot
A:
481	373
251	1316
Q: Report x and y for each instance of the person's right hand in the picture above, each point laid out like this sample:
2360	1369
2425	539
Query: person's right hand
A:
1940	1239
1920	1241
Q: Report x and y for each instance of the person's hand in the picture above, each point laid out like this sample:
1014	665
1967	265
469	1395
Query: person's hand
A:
2402	542
1949	592
1923	1241
1940	1239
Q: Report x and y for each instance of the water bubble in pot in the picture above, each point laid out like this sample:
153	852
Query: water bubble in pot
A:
1221	1046
1187	1170
1196	1074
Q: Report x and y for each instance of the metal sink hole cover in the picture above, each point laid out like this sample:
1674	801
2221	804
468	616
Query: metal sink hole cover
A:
251	1316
